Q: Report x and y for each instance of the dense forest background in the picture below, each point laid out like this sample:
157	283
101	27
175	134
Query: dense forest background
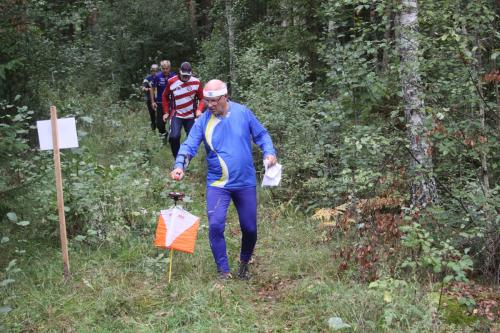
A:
385	115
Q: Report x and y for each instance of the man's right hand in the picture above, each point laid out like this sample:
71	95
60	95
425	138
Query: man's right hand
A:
154	105
270	160
177	174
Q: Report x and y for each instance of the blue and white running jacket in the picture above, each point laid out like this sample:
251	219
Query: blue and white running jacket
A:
228	143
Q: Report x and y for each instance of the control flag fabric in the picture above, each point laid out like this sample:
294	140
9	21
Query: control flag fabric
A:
177	229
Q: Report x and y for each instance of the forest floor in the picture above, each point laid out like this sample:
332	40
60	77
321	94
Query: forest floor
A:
122	285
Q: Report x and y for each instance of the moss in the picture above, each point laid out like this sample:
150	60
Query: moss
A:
455	313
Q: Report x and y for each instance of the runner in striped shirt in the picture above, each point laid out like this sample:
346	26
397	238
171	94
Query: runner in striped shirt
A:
182	94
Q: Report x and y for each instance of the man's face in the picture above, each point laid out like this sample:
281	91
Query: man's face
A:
217	105
153	71
165	69
185	78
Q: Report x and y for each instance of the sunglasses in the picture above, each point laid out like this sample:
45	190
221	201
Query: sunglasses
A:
216	101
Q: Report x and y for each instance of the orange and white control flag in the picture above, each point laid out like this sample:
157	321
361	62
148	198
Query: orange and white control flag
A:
177	229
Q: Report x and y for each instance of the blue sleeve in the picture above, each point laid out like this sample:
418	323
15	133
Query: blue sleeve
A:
190	145
260	136
147	82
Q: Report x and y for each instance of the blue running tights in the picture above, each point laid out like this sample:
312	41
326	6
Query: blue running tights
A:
245	201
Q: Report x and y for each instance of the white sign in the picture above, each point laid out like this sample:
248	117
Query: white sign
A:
67	133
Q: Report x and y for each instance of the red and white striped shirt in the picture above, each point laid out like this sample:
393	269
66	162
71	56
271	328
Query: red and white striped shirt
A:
183	94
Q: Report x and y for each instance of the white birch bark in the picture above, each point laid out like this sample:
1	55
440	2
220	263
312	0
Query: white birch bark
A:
423	189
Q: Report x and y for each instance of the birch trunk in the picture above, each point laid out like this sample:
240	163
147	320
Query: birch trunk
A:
423	188
231	43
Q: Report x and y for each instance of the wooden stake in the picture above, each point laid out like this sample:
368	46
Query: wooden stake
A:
170	265
59	190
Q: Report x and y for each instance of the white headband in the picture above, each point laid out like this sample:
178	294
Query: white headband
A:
215	93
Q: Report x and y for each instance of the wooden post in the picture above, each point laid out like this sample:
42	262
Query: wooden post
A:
59	190
170	265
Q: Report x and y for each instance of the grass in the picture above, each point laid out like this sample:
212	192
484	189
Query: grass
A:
121	285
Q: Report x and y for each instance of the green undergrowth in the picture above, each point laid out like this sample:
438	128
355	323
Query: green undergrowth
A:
120	283
456	313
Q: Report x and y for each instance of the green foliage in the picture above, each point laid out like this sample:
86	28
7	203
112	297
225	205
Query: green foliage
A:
284	111
105	196
455	314
397	297
215	62
13	129
436	253
440	257
18	165
128	44
18	169
107	201
10	227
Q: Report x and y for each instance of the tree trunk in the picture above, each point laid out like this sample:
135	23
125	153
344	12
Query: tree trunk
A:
204	14
231	43
484	160
388	15
497	95
92	20
315	29
192	15
423	189
491	233
285	12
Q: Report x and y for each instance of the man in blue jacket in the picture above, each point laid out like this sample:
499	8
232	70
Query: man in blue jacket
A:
147	86
159	84
227	132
